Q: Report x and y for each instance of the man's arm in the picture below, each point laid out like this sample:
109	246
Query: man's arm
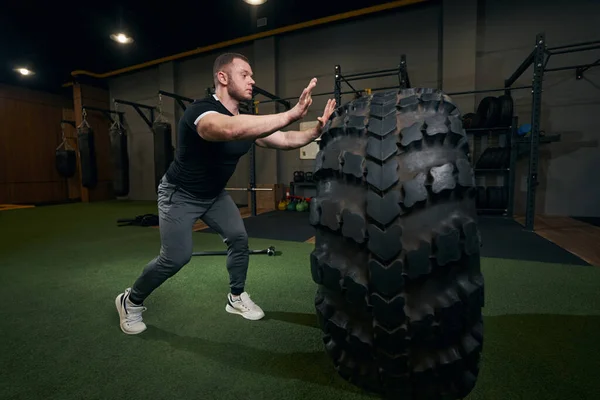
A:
219	127
289	140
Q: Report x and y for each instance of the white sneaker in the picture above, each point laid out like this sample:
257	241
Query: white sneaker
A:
244	307
130	314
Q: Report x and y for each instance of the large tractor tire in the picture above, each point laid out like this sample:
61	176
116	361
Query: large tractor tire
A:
397	247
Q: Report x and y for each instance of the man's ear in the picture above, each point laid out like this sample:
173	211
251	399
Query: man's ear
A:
222	77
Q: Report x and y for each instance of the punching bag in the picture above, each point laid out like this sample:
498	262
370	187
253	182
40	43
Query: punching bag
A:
87	155
163	150
120	159
66	162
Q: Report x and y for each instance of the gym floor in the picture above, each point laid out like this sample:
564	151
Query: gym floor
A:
63	265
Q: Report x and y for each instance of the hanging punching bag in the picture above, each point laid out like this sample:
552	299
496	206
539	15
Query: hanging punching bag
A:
163	149
65	159
66	162
87	156
120	159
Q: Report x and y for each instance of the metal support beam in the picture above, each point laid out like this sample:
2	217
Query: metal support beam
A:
440	40
368	76
138	107
337	88
573	45
257	90
576	50
180	99
391	71
68	121
356	92
514	149
107	113
581	69
489	90
536	110
403	80
522	68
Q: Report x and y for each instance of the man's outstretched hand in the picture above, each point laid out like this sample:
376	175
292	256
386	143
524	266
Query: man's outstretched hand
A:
301	108
329	109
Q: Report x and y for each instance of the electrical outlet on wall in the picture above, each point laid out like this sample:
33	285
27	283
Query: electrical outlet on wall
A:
309	152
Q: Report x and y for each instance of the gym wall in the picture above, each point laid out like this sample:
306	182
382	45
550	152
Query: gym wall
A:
483	43
370	43
567	169
29	135
140	87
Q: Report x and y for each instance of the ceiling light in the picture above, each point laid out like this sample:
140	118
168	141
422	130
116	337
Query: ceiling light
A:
255	2
24	71
121	38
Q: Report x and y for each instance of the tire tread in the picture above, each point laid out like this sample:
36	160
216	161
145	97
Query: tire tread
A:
400	288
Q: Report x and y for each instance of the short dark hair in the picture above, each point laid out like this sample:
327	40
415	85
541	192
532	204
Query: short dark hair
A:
226	59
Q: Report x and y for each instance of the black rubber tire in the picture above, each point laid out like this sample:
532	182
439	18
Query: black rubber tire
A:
396	255
506	110
481	199
489	112
471	121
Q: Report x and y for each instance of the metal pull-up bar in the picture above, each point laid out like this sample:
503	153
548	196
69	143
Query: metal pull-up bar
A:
401	71
180	99
107	113
138	107
557	50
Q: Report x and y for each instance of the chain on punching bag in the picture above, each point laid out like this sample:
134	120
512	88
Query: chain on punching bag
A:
87	154
65	158
120	158
163	149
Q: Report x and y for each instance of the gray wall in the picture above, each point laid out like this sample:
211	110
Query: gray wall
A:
367	44
567	169
483	43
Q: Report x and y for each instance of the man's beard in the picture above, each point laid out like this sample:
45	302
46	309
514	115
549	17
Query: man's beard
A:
236	93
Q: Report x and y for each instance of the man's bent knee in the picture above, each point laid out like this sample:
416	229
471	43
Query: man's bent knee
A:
174	261
237	240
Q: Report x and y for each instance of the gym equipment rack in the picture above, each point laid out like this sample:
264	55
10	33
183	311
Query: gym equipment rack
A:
401	71
539	58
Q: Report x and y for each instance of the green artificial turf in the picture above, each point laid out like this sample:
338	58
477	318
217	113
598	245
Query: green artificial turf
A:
62	266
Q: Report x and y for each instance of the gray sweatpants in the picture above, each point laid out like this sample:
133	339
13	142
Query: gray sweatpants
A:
178	210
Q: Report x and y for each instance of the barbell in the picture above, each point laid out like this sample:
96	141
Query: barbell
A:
270	251
248	189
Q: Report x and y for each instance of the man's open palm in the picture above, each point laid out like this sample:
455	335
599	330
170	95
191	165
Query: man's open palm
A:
305	100
329	109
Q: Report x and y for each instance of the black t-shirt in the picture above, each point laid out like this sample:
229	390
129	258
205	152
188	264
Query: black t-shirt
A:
203	167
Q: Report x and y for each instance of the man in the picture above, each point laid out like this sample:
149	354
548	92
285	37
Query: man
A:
212	136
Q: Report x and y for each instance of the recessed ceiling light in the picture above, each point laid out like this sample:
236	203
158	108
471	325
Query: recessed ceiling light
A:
121	38
24	71
255	2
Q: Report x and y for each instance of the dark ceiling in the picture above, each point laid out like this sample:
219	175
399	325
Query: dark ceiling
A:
55	38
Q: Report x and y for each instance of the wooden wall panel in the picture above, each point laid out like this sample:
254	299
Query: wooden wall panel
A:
29	134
